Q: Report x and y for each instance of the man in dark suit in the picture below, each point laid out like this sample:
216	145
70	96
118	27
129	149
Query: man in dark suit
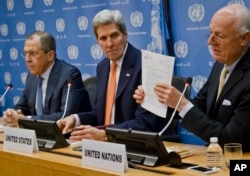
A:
40	57
210	114
111	34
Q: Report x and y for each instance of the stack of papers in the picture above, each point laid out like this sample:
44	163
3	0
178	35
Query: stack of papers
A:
182	151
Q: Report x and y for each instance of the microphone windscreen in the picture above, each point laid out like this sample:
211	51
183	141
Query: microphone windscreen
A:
10	86
69	81
189	80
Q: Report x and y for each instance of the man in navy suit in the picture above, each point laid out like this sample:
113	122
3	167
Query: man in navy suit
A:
227	115
40	57
111	34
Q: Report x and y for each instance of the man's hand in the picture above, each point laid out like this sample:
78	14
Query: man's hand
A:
67	124
139	94
11	116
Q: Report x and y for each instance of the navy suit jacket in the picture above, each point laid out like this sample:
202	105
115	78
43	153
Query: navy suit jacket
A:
229	117
127	113
56	92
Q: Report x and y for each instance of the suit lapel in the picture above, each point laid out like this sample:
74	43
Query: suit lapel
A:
53	78
127	70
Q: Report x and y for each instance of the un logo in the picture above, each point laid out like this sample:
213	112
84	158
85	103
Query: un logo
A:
10	5
73	52
21	28
28	3
2	103
16	99
39	25
96	51
82	23
7	77
198	82
60	25
4	29
1	54
13	53
196	12
136	19
69	1
48	2
23	77
181	49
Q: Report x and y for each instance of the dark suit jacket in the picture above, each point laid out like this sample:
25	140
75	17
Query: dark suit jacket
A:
229	117
56	93
127	113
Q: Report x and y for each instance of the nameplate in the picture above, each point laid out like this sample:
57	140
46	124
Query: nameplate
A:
104	155
20	139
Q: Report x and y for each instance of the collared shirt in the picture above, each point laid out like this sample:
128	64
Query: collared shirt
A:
230	69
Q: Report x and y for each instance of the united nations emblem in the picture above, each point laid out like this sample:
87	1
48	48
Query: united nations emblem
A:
21	28
15	99
48	2
1	54
82	23
23	77
39	25
96	51
10	5
196	12
13	53
4	29
28	3
198	82
60	25
181	49
73	52
136	19
7	77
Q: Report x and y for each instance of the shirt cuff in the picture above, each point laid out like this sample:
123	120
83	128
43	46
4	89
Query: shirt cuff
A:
186	108
78	122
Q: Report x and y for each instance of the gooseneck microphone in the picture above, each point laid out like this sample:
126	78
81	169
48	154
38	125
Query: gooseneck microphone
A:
67	98
187	84
7	89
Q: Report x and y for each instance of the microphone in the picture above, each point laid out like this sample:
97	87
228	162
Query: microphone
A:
7	89
187	84
67	98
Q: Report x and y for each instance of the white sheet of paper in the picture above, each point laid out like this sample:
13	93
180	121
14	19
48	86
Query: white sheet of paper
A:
156	68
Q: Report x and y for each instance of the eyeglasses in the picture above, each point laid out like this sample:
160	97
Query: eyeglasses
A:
32	53
216	37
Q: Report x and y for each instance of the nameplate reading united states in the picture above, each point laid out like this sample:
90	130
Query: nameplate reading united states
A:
104	155
19	139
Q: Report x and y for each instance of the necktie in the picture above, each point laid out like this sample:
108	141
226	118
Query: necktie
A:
39	96
222	80
110	96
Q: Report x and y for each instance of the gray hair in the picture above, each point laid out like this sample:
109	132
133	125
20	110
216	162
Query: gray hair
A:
47	41
109	17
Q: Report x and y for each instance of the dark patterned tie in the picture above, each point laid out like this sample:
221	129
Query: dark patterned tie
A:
39	98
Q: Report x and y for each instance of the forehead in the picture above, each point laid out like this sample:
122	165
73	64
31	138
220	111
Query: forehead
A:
32	43
107	29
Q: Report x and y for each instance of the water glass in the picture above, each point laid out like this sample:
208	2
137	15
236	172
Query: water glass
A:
232	151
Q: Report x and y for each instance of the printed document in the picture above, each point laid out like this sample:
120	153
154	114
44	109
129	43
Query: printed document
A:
156	68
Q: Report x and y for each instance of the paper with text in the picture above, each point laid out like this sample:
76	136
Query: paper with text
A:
19	139
105	155
156	68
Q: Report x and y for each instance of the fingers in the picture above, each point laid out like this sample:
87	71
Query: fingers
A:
139	94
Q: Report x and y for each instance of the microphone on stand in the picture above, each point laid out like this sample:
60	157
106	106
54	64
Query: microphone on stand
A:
187	84
7	89
67	98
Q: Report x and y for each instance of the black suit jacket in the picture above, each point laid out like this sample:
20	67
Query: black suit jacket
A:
56	93
127	113
229	117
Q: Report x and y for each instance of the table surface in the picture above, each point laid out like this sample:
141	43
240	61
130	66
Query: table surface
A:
69	161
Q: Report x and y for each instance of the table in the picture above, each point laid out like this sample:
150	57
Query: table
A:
66	162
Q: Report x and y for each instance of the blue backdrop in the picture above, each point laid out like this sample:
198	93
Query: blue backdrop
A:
70	23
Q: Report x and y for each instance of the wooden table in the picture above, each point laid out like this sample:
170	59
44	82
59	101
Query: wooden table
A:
66	162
